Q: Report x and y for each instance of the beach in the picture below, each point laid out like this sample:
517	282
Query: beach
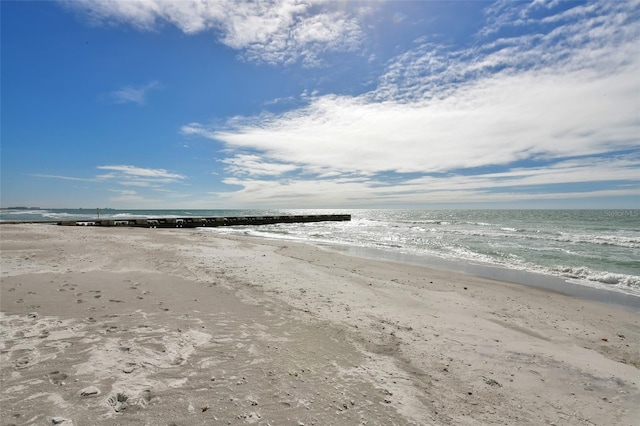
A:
185	327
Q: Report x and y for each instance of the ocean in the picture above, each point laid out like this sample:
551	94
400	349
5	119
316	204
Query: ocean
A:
591	248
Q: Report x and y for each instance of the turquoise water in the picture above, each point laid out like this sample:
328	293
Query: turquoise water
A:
598	248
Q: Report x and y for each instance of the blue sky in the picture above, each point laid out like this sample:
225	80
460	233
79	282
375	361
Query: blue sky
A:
312	104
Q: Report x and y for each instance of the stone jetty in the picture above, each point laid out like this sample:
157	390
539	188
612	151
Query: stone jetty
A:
196	222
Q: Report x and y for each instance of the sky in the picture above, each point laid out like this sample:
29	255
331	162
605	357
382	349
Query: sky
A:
315	104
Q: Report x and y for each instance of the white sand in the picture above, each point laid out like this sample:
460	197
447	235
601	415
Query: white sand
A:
162	327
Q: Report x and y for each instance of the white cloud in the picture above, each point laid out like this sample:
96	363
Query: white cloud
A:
494	121
584	170
126	196
510	185
276	31
285	100
143	172
567	89
541	105
145	180
131	94
125	175
254	165
124	192
61	177
197	129
599	37
335	193
132	176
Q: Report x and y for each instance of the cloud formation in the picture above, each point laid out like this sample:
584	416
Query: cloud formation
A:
560	97
512	185
132	94
546	94
254	165
126	196
138	176
126	175
274	32
496	121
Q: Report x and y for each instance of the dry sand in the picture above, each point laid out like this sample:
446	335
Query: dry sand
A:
181	327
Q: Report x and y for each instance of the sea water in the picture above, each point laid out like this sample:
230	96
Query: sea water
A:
596	248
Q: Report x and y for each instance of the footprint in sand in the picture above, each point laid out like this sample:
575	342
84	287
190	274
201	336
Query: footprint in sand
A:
145	396
57	378
118	402
90	391
129	368
22	362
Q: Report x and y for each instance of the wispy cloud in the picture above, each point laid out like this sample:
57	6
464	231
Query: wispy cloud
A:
274	32
128	176
254	165
143	172
513	184
131	94
126	196
285	100
61	177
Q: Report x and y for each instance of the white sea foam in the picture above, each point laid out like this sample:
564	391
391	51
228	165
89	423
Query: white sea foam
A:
622	281
480	243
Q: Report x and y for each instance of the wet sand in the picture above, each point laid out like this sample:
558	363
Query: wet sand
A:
181	327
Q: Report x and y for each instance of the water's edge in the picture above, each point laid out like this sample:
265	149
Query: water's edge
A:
530	279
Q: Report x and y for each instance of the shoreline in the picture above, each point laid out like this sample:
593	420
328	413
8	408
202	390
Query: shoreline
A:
601	258
193	328
538	280
598	287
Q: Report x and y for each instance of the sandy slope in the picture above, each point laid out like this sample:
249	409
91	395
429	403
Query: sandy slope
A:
162	327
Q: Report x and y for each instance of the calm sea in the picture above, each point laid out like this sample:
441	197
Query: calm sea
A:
595	248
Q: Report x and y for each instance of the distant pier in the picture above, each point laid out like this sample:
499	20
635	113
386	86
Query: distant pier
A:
216	221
